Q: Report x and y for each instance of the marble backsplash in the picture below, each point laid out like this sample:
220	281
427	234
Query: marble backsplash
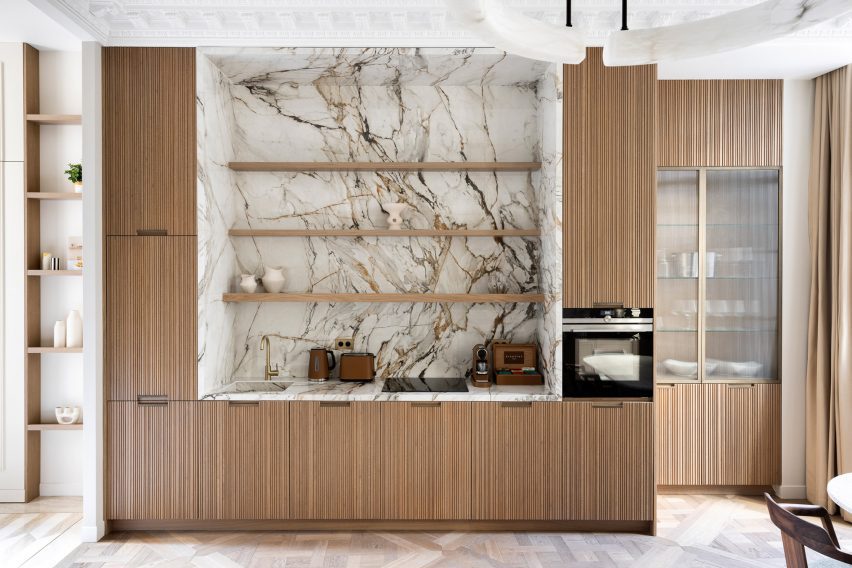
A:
282	114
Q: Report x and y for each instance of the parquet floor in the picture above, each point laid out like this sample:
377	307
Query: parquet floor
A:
694	531
40	533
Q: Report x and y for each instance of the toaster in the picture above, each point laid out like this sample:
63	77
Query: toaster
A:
357	367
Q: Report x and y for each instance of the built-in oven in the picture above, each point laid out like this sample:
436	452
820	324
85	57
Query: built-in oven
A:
608	352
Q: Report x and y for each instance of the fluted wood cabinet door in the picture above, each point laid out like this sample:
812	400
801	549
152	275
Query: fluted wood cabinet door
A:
426	460
335	460
609	180
609	466
517	457
750	434
150	311
244	460
687	433
152	461
149	161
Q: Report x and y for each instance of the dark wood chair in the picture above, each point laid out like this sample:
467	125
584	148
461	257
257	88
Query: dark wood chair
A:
798	534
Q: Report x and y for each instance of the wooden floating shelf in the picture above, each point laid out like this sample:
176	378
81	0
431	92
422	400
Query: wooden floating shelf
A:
42	427
384	166
55	118
385	233
54	349
54	272
387	298
54	196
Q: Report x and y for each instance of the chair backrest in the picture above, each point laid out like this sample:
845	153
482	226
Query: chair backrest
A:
797	533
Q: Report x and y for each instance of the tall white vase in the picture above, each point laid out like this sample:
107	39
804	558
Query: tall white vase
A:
74	330
59	334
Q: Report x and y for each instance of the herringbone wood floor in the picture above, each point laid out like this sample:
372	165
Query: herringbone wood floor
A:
694	531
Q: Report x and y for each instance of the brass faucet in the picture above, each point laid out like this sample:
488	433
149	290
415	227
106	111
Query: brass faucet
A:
267	370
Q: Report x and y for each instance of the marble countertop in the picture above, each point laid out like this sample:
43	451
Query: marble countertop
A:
302	389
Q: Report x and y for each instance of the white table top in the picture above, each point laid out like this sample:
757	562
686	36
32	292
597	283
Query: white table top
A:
840	491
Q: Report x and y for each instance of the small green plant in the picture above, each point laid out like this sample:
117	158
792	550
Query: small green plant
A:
75	173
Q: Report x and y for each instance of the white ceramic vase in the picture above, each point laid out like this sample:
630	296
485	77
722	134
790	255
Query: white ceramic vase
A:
59	334
248	283
78	187
273	279
67	414
394	211
74	330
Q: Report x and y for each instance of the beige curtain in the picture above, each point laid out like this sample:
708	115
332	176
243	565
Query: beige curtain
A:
829	379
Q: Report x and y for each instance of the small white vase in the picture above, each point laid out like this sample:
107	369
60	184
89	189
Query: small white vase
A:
59	334
67	414
273	279
248	283
74	330
394	211
78	187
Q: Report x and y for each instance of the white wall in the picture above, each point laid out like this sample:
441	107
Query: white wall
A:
795	283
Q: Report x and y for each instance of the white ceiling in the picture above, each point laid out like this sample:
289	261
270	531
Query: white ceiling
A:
425	23
21	21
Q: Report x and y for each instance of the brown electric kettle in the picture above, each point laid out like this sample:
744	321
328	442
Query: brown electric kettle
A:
318	366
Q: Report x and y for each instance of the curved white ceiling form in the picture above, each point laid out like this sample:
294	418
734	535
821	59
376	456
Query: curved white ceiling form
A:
741	28
517	33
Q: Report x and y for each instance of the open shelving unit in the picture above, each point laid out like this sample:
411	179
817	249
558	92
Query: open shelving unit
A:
384	233
429	298
384	166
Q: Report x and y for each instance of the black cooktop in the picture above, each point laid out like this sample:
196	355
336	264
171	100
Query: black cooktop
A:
398	384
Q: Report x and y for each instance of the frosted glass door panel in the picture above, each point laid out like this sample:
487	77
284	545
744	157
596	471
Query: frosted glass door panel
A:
677	307
741	268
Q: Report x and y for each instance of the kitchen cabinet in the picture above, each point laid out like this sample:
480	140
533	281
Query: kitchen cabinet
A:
244	460
687	447
152	461
750	434
608	183
150	318
426	460
517	461
149	161
335	460
609	469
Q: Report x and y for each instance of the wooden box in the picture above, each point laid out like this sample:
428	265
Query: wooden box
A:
515	356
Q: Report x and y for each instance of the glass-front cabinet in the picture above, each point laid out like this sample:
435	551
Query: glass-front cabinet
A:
717	257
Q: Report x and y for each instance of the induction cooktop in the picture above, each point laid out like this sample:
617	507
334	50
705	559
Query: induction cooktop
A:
419	384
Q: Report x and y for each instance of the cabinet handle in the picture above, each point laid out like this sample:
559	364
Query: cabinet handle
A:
748	386
606	305
426	404
243	403
665	386
152	232
152	399
334	404
607	405
516	404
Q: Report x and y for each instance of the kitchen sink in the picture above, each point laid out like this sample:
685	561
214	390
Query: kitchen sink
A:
254	385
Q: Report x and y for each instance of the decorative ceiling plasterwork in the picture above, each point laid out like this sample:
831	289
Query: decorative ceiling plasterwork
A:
364	22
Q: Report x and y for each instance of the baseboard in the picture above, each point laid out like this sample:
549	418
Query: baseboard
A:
60	490
12	496
640	527
713	489
90	533
791	491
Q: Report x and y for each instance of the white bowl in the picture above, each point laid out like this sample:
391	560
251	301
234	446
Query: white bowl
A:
746	369
681	368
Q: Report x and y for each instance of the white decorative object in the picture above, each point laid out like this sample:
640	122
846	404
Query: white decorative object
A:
78	187
67	414
734	30
248	283
74	330
394	211
516	33
59	334
273	279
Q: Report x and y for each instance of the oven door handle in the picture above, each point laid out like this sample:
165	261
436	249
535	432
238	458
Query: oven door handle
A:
610	328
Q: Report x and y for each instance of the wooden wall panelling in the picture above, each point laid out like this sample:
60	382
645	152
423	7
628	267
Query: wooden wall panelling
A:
244	460
152	461
683	122
149	140
750	434
609	469
426	460
517	449
335	460
610	180
151	329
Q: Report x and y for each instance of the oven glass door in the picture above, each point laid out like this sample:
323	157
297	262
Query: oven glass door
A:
608	363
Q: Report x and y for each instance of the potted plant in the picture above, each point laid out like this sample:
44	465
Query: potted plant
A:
75	176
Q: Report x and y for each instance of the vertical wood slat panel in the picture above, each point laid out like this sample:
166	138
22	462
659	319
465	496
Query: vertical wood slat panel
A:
515	454
149	140
609	470
426	460
244	460
719	123
152	461
750	440
610	179
150	317
687	447
335	461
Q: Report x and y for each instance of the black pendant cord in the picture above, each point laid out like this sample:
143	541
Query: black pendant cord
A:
568	13
624	15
